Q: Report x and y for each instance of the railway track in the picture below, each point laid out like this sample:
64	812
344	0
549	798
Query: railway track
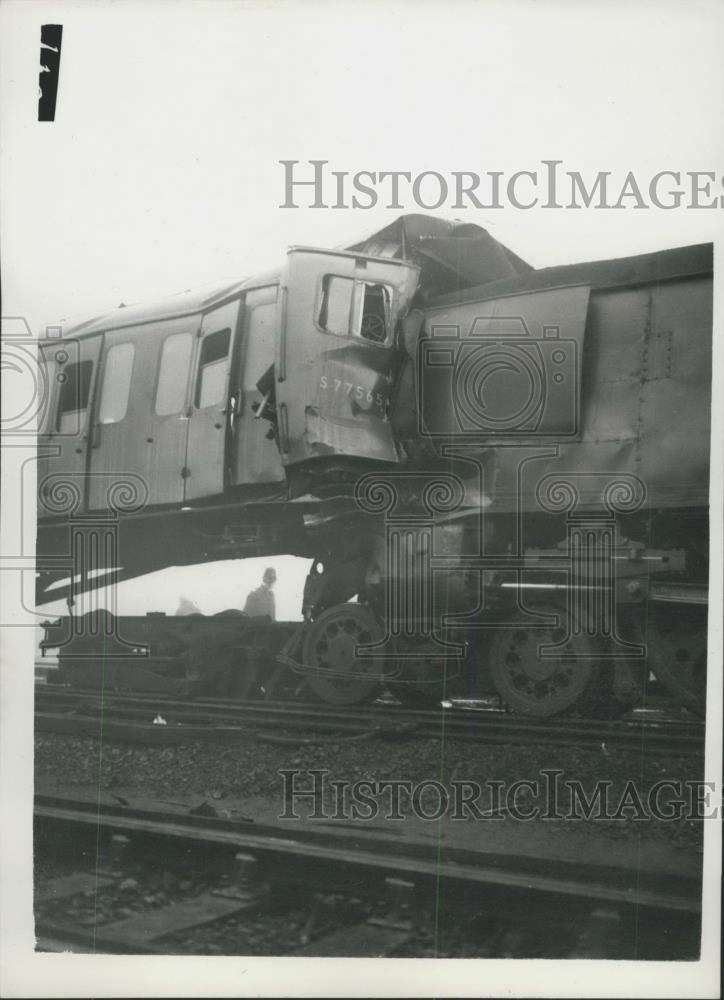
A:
249	865
159	719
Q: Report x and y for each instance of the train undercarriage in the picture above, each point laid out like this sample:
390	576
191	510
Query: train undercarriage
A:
415	613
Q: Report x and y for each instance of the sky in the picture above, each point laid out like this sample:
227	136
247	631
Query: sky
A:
161	171
211	586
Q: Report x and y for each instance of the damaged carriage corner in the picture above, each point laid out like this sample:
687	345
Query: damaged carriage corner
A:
51	40
534	446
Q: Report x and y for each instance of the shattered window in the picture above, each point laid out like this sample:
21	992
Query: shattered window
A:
335	315
375	313
355	308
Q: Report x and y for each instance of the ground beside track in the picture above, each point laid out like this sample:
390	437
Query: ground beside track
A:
244	780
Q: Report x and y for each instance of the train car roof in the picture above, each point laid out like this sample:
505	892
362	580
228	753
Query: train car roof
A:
451	254
642	269
185	303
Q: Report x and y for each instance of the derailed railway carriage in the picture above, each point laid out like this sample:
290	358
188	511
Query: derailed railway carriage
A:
499	473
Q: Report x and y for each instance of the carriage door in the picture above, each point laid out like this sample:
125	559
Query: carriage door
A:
209	412
338	318
255	456
70	367
141	417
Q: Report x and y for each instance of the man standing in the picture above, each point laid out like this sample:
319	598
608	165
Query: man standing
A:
260	602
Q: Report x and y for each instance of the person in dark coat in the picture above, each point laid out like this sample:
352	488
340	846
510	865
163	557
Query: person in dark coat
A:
260	602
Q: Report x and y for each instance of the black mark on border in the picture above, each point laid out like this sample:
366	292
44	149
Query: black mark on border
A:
51	37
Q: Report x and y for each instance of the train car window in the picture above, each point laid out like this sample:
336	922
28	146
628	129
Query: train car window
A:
173	374
375	313
335	314
116	383
355	309
73	398
213	366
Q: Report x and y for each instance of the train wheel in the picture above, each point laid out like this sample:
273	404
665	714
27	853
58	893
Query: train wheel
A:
677	654
337	675
542	686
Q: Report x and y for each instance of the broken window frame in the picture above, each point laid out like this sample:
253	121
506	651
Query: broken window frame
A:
356	311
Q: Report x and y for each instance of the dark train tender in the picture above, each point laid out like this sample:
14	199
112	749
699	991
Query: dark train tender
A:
500	473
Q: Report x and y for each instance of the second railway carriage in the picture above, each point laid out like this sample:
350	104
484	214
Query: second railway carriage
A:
165	392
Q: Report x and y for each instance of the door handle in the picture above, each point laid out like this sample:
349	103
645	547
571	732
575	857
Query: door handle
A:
233	407
232	410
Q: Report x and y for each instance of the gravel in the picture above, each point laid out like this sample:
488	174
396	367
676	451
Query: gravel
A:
244	780
248	773
145	890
